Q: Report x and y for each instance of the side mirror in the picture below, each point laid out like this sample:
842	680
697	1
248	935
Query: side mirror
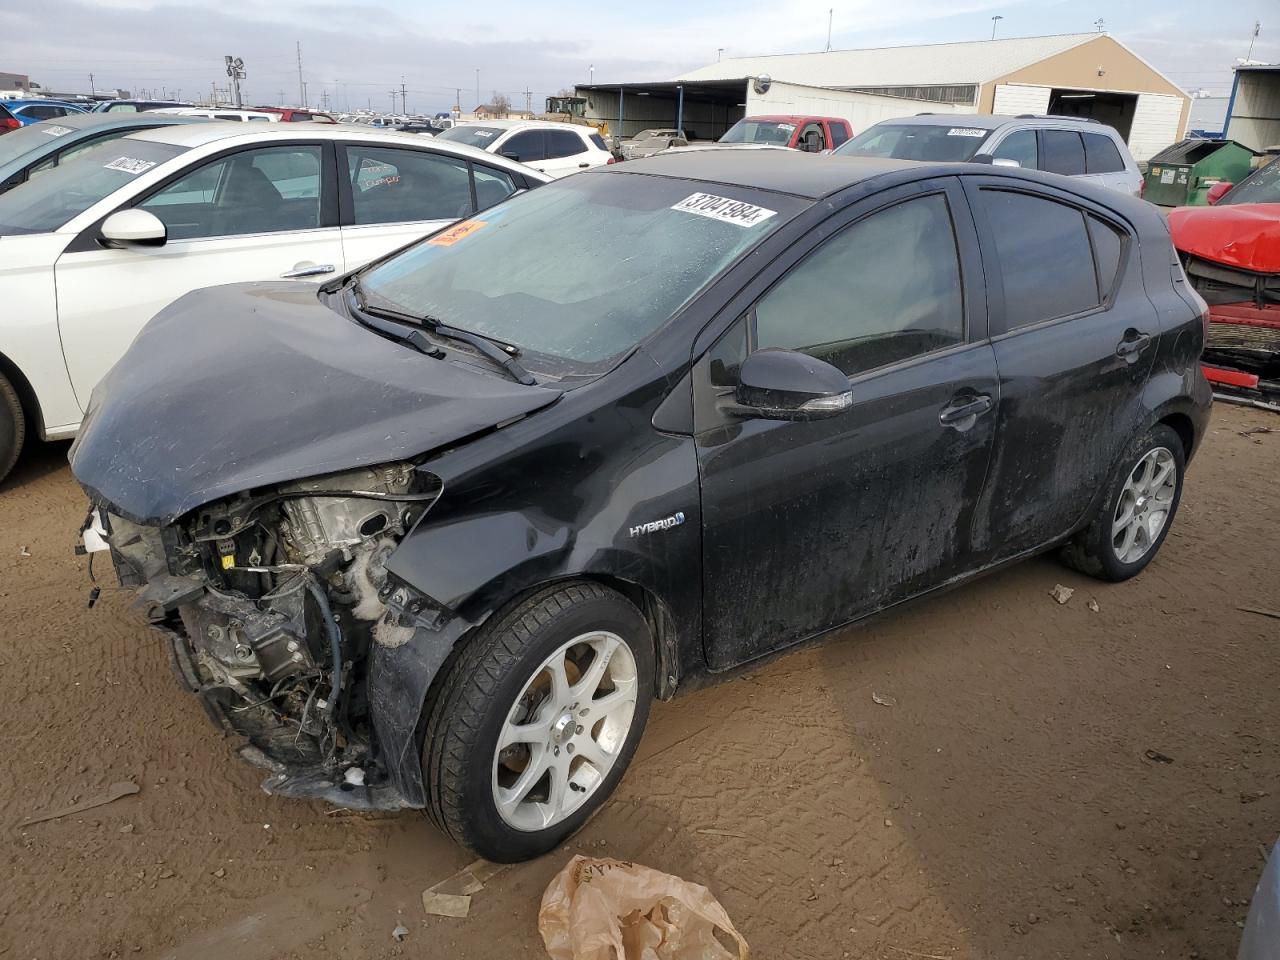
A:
134	228
784	385
990	161
511	155
1217	191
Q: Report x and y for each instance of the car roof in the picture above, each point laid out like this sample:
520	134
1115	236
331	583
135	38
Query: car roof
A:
785	117
512	124
121	119
214	131
781	171
985	121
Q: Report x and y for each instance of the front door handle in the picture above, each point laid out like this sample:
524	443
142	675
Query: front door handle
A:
962	411
1133	343
311	270
583	166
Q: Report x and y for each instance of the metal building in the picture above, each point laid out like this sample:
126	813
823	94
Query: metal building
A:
1082	74
1253	114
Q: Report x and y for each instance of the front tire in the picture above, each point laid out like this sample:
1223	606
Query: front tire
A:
1137	512
13	427
533	721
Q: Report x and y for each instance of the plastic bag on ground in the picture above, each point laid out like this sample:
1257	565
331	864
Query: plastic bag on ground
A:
605	909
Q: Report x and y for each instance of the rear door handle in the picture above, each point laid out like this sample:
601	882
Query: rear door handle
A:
1133	343
315	270
962	411
583	166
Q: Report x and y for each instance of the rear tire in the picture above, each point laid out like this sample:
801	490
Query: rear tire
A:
1137	511
533	721
13	427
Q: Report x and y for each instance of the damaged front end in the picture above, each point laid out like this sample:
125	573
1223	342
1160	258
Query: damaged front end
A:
272	601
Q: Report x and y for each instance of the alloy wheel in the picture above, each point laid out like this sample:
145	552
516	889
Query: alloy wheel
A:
565	731
1145	502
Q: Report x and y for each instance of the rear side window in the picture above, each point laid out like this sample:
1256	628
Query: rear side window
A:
564	143
1108	249
1061	152
599	141
1020	146
1101	155
1046	261
839	134
526	146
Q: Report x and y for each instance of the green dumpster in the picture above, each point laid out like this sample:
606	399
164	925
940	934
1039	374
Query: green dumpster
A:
1181	175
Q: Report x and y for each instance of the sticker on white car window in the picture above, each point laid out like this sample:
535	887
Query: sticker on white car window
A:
723	209
787	127
966	132
54	130
129	165
485	134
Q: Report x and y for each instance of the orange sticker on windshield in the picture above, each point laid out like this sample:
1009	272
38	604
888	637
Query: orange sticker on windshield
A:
447	238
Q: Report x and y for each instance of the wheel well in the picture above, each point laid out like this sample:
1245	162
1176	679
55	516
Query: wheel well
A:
662	628
1181	424
27	396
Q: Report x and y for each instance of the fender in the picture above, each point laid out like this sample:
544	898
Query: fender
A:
559	508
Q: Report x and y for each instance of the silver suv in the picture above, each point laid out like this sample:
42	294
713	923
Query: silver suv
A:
1070	146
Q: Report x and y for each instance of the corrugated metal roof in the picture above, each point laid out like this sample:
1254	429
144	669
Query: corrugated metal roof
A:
930	64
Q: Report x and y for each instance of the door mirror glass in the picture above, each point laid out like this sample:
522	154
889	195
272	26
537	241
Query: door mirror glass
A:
784	385
1218	191
134	227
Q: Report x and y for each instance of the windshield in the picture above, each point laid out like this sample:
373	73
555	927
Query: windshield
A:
472	136
30	139
69	189
926	141
759	131
1261	187
579	271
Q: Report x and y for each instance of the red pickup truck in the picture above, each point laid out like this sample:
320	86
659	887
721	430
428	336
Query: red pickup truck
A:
811	134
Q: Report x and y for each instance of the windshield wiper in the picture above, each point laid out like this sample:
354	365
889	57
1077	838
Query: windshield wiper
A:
492	349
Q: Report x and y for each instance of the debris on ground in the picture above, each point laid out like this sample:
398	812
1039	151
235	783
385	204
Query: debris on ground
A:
127	828
23	551
446	904
1261	611
1060	593
1092	605
1248	433
400	932
1250	796
884	701
110	795
1156	756
601	908
451	897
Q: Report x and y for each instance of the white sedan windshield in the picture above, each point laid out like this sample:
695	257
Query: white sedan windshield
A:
46	203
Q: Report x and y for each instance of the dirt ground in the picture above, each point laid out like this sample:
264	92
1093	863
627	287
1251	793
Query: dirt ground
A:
1003	805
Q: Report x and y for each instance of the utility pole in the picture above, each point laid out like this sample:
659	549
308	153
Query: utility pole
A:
404	99
281	98
92	91
831	12
1257	26
393	100
528	100
591	73
213	93
477	86
719	53
457	101
994	20
302	87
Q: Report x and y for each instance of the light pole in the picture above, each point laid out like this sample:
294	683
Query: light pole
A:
994	20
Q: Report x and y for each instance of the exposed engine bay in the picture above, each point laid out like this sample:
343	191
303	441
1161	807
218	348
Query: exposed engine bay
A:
271	600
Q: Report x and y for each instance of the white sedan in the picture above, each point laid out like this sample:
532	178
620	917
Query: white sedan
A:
550	147
91	250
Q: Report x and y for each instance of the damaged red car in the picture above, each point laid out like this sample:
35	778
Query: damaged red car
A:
1231	253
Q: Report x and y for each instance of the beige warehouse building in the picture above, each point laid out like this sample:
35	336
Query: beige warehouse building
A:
1083	74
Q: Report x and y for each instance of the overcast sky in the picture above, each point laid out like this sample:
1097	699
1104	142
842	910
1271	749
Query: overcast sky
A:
358	51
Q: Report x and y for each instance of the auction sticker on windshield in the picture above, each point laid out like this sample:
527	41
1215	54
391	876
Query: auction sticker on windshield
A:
966	132
724	209
129	165
55	130
448	238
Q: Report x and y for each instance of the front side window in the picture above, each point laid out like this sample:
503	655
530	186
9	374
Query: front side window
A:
269	190
492	186
1046	263
1020	146
526	147
1062	152
1101	155
576	272
69	189
883	290
564	143
395	186
933	142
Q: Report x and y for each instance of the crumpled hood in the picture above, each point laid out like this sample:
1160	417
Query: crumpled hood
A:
246	385
1244	235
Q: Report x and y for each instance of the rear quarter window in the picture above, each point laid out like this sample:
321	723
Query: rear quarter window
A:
1061	152
839	134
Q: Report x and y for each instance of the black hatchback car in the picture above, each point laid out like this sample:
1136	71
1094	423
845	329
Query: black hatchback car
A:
435	534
